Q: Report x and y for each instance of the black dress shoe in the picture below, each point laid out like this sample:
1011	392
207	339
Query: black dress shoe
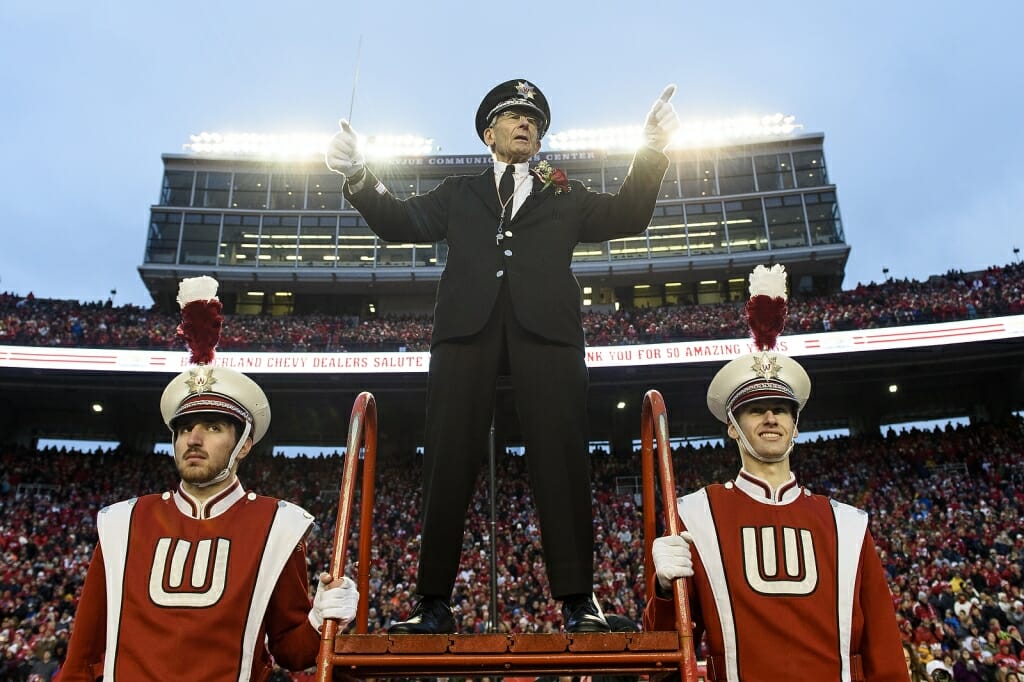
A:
583	614
432	616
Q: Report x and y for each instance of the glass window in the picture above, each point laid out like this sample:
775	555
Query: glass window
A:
424	254
357	245
324	192
249	191
162	241
697	178
711	291
395	254
177	189
590	177
400	180
774	172
745	222
251	303
317	241
737	289
705	228
212	190
667	233
823	217
786	225
432	254
735	175
404	187
591	252
629	247
240	239
283	303
810	169
287	192
679	293
278	240
670	183
200	239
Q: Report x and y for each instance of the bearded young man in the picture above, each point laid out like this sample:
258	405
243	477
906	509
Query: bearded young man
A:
208	581
784	584
508	303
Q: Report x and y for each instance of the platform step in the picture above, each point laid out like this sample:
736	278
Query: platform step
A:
383	655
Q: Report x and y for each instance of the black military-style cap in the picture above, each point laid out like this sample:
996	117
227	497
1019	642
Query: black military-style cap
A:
519	93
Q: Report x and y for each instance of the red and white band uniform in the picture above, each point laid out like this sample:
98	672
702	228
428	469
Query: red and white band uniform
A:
183	589
798	595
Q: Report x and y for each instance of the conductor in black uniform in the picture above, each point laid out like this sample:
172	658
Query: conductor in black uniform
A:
508	302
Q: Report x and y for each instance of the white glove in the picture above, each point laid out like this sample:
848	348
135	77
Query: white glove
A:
661	121
343	155
337	602
671	554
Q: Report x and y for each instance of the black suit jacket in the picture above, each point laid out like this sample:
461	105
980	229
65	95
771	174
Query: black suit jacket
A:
464	210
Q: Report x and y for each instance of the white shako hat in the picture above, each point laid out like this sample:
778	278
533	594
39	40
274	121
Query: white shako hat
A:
767	373
206	388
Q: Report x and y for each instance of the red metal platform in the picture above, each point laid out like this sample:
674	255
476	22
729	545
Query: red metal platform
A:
364	655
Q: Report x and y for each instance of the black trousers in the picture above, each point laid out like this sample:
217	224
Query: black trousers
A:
550	381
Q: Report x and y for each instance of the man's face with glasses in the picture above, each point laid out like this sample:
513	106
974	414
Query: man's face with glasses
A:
515	114
514	135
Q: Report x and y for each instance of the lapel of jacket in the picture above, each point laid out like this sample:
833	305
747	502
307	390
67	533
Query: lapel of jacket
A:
536	198
484	187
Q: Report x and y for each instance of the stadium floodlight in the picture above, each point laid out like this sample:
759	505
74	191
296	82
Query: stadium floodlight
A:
300	145
691	134
387	146
288	145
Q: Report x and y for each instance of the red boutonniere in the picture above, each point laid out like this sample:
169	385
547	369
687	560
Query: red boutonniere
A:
552	176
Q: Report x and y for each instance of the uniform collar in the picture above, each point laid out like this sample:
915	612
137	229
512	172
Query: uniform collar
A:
521	169
207	509
759	489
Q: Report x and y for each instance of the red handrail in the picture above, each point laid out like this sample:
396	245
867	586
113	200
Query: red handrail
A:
362	432
654	427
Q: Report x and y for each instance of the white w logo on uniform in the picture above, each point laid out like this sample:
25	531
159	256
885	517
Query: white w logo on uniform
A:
795	573
207	576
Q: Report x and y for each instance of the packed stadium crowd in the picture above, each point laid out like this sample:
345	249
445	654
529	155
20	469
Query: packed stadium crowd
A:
946	509
31	321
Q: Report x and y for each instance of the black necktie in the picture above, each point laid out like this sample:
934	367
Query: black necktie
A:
506	188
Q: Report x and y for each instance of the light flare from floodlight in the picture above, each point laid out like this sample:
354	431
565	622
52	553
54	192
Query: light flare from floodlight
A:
700	133
301	145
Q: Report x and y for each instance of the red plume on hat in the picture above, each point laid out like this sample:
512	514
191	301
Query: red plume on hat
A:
766	309
201	320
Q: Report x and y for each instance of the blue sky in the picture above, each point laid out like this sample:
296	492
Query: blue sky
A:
920	103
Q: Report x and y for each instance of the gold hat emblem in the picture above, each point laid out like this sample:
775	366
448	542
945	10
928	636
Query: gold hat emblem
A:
525	90
766	366
200	379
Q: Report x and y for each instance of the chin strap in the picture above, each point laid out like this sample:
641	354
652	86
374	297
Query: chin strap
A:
750	449
226	471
